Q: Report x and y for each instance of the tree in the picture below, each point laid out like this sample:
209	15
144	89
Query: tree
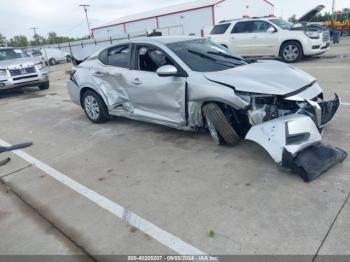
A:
52	37
293	19
2	39
19	41
39	39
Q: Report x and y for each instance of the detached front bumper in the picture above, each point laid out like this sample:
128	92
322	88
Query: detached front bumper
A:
294	141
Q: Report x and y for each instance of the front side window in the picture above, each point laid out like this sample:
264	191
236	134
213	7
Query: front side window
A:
36	53
219	29
203	55
8	54
282	24
119	56
243	27
150	59
261	26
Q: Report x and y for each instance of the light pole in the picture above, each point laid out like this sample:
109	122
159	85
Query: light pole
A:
87	18
333	8
35	34
37	39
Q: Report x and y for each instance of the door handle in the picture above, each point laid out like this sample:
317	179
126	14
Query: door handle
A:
136	81
99	73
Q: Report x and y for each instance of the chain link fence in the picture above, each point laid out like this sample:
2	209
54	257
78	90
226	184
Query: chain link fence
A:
84	48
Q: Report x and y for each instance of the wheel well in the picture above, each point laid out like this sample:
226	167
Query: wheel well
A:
84	90
291	40
237	118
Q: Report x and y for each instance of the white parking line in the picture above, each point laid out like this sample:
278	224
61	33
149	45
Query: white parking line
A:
345	104
142	224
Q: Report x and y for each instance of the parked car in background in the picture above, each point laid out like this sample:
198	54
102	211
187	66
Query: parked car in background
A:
271	37
193	83
52	55
18	70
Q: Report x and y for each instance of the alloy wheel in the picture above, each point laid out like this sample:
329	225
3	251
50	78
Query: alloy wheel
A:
291	53
92	107
213	132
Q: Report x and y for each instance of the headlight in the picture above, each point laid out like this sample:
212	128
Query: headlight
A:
41	65
313	34
3	72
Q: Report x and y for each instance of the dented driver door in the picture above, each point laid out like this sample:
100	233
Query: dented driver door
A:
155	98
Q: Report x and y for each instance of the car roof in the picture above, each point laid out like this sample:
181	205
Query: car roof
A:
247	19
163	39
150	40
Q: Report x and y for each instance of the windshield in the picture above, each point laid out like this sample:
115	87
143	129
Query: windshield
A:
282	24
203	55
7	54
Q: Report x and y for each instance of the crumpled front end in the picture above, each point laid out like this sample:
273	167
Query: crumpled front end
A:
289	128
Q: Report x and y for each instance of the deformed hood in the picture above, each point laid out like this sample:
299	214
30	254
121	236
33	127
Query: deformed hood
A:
264	77
311	14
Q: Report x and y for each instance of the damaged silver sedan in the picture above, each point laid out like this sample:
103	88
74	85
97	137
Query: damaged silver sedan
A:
192	83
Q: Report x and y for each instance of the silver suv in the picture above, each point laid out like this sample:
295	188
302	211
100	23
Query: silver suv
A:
18	70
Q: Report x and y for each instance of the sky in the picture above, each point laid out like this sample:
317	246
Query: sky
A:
65	17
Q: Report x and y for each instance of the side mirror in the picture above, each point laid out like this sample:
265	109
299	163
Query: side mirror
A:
167	70
271	30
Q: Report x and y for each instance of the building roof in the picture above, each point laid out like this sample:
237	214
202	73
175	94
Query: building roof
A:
162	11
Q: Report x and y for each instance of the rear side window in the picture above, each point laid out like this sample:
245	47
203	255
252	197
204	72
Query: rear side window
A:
118	56
243	27
219	29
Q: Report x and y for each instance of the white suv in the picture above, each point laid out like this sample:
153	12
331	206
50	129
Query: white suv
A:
54	55
271	36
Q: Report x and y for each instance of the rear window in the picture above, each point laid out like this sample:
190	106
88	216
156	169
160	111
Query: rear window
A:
118	56
219	29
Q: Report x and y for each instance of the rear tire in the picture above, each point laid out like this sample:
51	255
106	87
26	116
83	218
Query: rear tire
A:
44	86
291	52
68	59
218	122
94	107
52	61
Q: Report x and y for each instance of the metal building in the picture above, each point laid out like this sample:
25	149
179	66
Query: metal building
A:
192	18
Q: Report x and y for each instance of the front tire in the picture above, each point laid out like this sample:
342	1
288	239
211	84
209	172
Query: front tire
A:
291	52
94	107
44	86
219	127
